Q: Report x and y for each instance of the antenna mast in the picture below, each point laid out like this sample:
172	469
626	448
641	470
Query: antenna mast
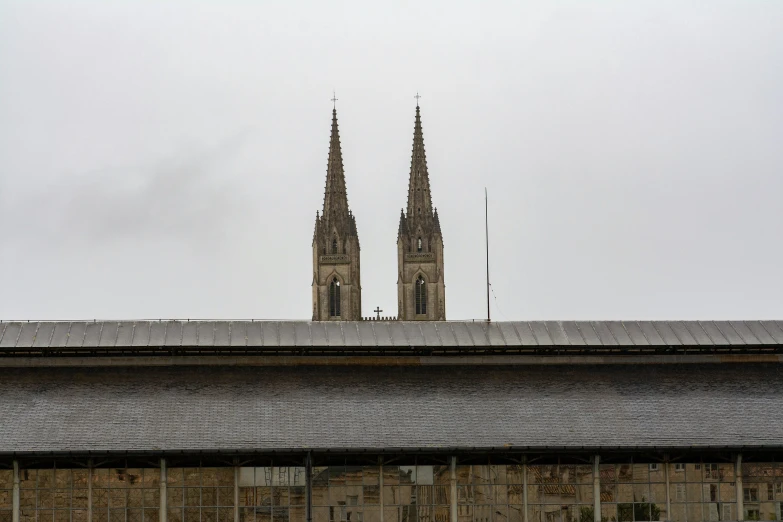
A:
486	235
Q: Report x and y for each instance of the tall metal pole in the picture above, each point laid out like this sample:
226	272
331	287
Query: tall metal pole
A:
740	492
524	489
380	481
666	469
89	490
163	513
309	486
486	235
597	488
15	504
236	491
453	489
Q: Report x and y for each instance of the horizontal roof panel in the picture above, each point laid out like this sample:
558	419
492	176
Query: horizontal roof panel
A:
254	334
572	332
714	333
620	334
173	333
27	335
239	333
43	336
222	333
493	334
190	333
141	333
91	334
76	335
588	333
774	330
60	336
446	334
635	333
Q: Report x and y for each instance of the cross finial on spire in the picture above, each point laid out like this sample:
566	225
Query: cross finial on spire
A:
334	99
417	98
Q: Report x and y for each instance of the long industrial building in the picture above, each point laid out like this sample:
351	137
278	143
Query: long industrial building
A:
376	421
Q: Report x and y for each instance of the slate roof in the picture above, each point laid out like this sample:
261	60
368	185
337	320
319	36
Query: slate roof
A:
372	408
103	335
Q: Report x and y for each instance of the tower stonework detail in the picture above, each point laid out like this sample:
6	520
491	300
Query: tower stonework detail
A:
336	274
421	290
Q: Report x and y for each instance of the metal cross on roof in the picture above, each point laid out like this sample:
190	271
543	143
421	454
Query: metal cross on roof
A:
417	98
378	311
334	99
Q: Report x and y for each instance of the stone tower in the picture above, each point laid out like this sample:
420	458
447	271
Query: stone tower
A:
421	291
337	293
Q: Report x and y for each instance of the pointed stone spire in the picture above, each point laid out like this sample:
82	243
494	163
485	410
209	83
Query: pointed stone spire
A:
336	272
401	229
335	196
421	290
419	198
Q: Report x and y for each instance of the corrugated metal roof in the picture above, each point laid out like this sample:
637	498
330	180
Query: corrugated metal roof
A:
383	408
128	334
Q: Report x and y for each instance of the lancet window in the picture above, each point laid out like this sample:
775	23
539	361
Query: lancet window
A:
334	298
421	296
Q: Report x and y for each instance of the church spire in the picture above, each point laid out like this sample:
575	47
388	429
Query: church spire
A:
421	290
335	196
336	272
419	198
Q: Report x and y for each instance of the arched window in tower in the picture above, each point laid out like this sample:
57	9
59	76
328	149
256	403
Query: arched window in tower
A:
418	245
421	296
334	298
334	245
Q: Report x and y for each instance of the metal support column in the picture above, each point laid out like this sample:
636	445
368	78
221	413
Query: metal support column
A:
524	490
740	492
596	488
309	487
89	490
453	481
380	481
15	494
236	492
163	514
666	468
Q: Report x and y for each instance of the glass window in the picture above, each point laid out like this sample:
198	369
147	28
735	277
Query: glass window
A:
270	493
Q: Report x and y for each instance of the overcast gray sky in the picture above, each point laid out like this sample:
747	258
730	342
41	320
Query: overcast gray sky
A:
166	159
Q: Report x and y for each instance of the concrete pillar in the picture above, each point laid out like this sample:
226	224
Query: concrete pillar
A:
738	483
164	514
524	490
453	484
15	495
596	488
666	468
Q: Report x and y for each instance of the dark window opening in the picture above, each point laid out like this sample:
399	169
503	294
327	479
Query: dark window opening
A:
421	296
334	246
418	245
334	298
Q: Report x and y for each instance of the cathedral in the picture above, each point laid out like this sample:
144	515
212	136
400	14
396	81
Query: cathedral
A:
337	292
